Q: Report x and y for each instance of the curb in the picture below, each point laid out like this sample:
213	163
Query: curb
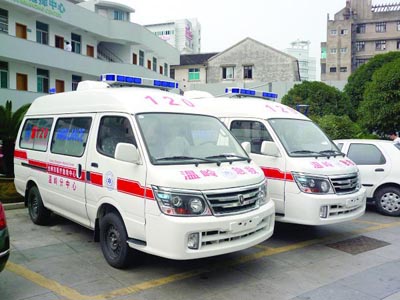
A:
10	206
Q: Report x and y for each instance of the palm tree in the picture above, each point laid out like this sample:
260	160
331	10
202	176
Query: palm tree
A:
9	126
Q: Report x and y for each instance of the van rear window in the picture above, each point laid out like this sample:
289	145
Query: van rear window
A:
70	136
35	134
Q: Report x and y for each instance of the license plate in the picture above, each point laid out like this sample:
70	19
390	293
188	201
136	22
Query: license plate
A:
353	202
244	225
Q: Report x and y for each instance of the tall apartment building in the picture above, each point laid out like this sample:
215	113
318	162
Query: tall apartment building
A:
33	36
184	35
357	33
307	65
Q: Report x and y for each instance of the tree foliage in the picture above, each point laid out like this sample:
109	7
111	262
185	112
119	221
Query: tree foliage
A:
339	127
321	98
9	125
380	110
356	84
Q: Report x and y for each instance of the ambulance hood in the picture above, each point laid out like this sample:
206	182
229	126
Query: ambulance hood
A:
322	166
206	176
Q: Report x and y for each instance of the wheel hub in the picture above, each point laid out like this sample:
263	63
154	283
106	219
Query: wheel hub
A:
391	202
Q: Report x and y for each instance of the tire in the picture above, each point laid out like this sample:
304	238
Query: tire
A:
39	214
387	201
113	241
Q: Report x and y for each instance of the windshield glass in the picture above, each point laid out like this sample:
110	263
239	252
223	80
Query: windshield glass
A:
184	138
303	138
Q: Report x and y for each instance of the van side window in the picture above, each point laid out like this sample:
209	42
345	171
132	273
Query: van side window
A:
70	136
35	134
250	131
366	154
114	130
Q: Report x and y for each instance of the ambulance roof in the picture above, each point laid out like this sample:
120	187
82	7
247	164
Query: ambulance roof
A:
122	99
248	107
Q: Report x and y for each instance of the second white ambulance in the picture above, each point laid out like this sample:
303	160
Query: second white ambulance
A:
309	179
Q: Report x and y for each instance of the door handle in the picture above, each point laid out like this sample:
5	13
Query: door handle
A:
379	170
94	165
79	171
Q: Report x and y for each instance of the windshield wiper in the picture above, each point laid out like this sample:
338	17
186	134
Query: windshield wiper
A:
182	157
229	155
303	152
332	152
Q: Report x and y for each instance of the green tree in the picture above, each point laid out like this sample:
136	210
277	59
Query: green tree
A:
356	84
339	127
380	110
321	98
9	125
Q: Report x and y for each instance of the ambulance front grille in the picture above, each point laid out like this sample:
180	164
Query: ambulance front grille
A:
345	184
233	201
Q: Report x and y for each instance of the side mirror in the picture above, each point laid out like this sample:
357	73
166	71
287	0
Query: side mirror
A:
270	149
127	152
246	146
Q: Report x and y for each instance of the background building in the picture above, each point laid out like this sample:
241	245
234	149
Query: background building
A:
307	65
184	35
33	36
357	33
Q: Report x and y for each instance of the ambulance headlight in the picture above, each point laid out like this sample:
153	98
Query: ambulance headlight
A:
262	194
313	184
181	203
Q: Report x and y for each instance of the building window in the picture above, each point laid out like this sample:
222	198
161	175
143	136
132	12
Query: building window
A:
398	45
119	15
333	50
3	74
161	70
343	69
380	27
194	74
228	72
42	81
76	43
333	32
134	58
360	46
380	45
344	31
141	58
3	20
332	69
172	73
248	72
42	33
154	64
360	61
343	50
149	64
360	28
165	69
75	80
398	26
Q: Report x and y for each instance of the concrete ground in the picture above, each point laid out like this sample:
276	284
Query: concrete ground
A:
354	260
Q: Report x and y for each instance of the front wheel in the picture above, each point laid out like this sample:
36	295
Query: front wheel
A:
387	201
113	241
39	214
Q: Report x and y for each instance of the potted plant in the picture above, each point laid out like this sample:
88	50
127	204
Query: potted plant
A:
9	125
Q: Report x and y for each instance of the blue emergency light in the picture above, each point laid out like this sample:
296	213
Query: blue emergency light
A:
118	79
253	93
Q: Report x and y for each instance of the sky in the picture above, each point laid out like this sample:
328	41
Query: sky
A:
227	22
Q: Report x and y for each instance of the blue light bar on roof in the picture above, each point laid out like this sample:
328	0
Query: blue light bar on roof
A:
118	79
252	93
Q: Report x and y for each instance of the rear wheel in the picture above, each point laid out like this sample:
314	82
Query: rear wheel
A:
113	240
387	201
39	214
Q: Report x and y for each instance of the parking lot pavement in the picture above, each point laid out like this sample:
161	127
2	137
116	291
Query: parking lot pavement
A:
353	260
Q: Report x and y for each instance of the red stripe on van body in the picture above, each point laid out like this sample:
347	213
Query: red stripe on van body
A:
96	178
134	188
272	173
21	154
37	163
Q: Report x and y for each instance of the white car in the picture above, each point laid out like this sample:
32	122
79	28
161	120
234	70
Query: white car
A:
378	162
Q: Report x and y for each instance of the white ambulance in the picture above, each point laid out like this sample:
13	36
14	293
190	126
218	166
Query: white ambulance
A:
309	179
143	168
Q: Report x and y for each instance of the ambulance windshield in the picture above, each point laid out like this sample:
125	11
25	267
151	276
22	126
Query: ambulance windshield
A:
173	138
303	138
